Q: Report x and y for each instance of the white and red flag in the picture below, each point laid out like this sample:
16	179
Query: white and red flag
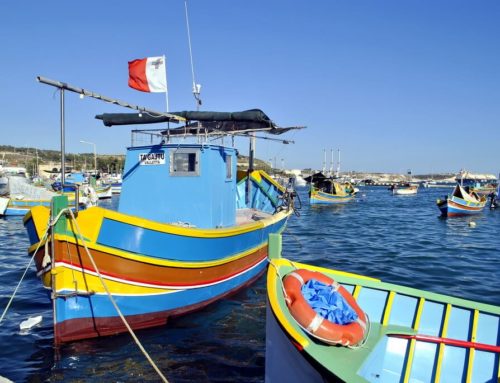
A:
148	74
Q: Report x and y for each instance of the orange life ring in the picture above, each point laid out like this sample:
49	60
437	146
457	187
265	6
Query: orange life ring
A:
348	335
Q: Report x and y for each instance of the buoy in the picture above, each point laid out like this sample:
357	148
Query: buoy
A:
472	224
30	322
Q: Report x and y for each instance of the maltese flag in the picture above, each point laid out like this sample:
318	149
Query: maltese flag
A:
148	74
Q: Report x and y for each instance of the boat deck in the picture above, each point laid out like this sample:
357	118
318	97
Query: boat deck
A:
246	215
457	340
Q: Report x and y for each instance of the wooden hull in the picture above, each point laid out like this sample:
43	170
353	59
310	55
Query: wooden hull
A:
153	270
414	336
456	207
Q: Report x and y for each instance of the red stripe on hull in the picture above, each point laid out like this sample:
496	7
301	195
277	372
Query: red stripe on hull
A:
77	329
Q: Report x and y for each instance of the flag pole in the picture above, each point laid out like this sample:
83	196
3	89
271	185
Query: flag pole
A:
166	83
166	98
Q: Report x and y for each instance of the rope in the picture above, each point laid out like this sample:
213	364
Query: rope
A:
122	317
44	237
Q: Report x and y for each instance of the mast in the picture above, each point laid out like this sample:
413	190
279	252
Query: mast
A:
196	87
338	164
63	140
324	161
331	164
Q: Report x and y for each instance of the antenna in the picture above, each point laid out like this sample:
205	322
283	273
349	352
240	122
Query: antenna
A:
196	87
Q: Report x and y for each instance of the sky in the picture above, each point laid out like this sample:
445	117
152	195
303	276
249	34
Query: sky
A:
396	85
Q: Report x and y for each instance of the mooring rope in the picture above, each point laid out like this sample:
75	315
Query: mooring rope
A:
44	237
122	317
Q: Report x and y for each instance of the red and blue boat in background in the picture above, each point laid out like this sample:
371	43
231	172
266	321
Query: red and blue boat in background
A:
461	202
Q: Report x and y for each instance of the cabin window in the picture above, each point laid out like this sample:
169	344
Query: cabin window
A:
184	163
229	166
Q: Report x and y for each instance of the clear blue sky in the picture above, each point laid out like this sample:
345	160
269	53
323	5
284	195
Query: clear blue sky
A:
396	85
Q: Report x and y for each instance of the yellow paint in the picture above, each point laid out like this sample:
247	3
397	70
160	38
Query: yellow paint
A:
177	230
446	320
472	351
274	292
356	292
420	308
256	176
85	282
271	180
470	364
442	346
388	308
439	363
475	319
409	361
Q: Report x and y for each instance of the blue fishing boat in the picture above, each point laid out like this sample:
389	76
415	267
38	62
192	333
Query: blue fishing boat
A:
377	332
328	190
187	231
461	202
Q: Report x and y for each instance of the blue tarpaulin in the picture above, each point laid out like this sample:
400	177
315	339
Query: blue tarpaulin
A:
328	303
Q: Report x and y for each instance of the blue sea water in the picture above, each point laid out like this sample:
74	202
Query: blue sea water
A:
399	239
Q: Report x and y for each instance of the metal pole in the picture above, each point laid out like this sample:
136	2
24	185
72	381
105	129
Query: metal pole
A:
95	160
250	169
87	93
63	156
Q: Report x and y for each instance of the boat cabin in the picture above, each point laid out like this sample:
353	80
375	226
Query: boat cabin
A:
186	184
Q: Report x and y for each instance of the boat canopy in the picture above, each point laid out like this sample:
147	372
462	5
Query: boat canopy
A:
472	176
211	122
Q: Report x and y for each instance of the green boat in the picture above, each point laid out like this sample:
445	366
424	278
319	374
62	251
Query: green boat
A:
414	335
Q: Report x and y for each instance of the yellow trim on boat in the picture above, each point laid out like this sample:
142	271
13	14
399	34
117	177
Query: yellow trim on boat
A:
446	320
442	346
69	279
472	351
439	363
90	221
409	362
184	231
388	308
356	291
475	319
273	293
420	308
263	174
470	364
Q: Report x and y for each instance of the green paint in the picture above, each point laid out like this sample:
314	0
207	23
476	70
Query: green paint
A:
59	203
274	249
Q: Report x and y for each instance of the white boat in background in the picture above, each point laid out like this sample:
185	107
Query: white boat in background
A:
406	189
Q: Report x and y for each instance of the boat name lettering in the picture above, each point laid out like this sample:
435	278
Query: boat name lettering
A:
155	158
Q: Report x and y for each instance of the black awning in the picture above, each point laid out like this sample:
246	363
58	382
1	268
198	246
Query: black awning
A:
207	122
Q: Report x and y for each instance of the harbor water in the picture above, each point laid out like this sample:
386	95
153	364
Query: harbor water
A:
399	239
